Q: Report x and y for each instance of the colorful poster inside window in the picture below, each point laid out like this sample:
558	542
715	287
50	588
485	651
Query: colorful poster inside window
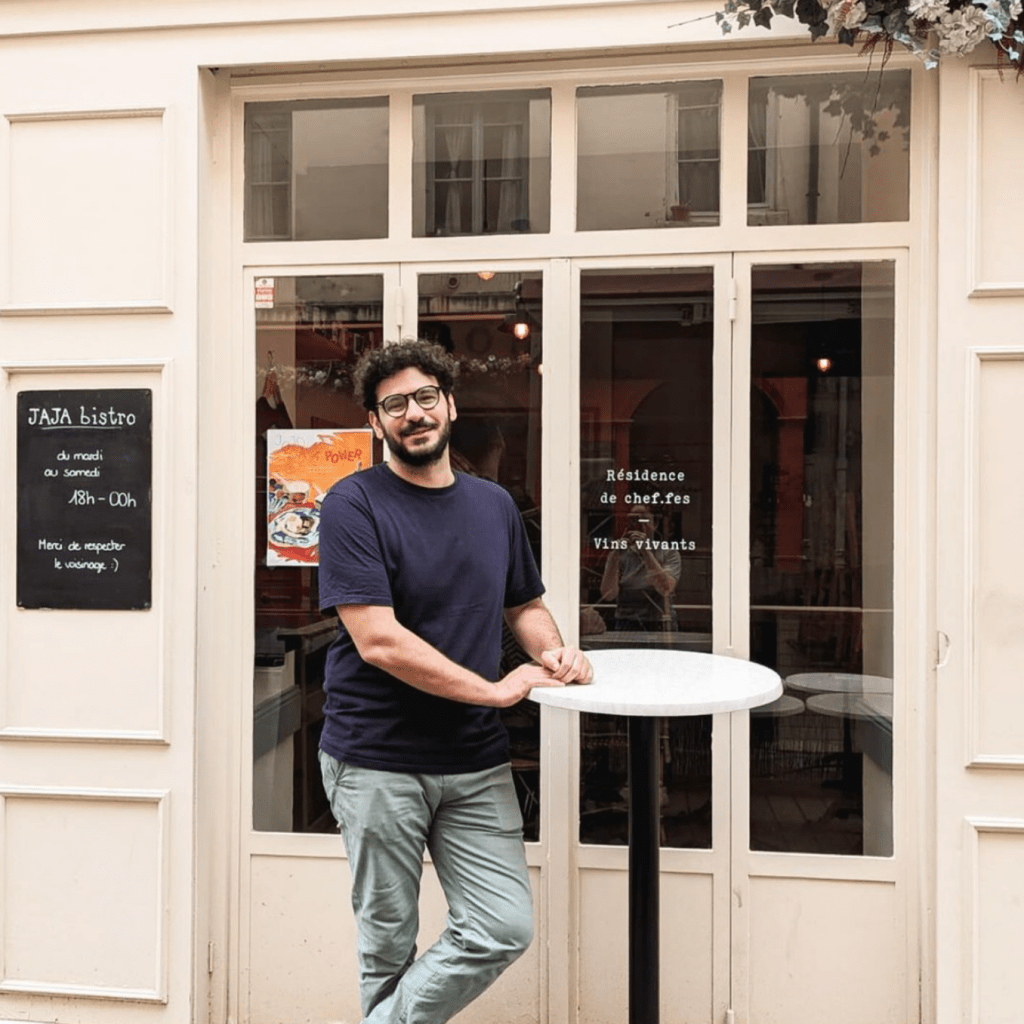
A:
302	466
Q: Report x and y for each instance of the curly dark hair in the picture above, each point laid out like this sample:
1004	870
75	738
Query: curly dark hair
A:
380	363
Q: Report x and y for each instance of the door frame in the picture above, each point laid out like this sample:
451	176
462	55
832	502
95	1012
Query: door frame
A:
236	262
559	855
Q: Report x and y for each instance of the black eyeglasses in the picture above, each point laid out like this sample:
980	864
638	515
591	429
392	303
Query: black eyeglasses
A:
426	397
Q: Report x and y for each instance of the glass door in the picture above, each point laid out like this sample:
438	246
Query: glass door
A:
491	320
819	839
730	424
821	554
646	520
310	432
737	468
654	420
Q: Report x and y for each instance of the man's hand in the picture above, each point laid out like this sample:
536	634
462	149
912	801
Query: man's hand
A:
519	682
568	665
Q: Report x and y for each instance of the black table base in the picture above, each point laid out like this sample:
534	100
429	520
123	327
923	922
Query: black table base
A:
644	869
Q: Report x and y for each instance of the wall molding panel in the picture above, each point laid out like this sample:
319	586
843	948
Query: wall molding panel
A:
104	246
114	666
996	140
85	892
993	893
994	570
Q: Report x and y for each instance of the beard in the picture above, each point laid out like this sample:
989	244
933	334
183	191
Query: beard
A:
422	456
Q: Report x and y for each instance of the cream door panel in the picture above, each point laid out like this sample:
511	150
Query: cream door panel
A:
301	940
832	945
687	949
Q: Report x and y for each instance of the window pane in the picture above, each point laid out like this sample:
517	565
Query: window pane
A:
498	436
482	163
316	169
829	149
645	561
648	156
821	556
308	336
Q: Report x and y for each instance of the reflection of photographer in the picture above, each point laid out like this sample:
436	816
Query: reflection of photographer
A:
641	579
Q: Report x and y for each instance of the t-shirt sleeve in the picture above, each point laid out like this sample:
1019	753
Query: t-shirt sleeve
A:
523	582
352	569
671	562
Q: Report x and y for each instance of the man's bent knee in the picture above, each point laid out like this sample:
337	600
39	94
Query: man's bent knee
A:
511	936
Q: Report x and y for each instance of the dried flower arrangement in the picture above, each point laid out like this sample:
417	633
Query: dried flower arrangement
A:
928	28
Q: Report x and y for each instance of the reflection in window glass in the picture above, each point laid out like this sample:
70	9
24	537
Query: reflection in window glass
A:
316	169
829	149
648	156
309	333
821	556
498	436
482	163
645	559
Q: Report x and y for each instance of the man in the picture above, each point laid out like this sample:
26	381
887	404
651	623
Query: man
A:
421	564
640	580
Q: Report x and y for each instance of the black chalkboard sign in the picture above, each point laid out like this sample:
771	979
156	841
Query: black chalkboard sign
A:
85	509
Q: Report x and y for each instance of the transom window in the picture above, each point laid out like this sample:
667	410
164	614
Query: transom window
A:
316	169
481	163
648	156
821	149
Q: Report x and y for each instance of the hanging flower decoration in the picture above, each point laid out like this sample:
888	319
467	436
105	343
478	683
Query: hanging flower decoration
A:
928	28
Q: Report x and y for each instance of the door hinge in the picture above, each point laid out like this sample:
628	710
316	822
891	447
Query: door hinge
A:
399	309
210	957
942	646
730	1017
733	297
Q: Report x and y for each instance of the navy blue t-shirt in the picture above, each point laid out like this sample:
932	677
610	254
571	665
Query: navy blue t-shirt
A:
449	560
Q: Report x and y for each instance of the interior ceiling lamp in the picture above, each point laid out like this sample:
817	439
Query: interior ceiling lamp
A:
519	322
485	275
824	364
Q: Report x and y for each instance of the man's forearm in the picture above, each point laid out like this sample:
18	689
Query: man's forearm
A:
386	644
534	628
423	666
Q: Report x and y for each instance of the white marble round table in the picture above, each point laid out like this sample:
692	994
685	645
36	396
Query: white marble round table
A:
651	682
869	706
782	707
838	682
646	685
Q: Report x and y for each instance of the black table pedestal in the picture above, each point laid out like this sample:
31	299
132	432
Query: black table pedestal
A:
644	868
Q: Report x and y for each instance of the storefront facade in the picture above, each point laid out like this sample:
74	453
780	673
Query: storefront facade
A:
751	305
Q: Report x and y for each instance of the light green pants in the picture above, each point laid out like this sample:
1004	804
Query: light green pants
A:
473	829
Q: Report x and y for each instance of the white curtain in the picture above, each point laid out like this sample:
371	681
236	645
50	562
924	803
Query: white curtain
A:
457	140
510	188
261	196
